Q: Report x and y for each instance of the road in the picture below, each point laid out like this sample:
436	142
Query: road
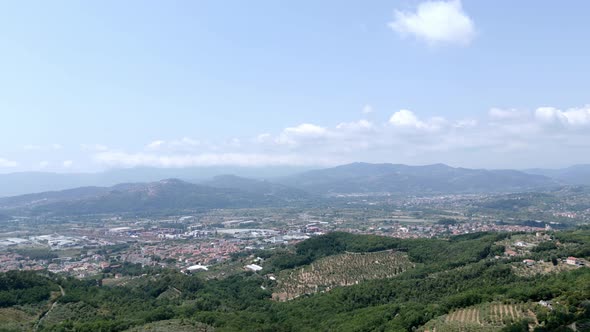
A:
53	305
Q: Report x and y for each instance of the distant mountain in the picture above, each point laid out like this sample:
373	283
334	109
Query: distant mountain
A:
576	175
397	178
46	198
228	191
259	187
165	195
13	184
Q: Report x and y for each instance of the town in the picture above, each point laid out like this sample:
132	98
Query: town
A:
87	247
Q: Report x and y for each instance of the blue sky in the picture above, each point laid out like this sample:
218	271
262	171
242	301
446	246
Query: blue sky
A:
86	86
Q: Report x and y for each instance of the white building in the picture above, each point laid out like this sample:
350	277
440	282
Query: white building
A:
573	261
196	268
254	267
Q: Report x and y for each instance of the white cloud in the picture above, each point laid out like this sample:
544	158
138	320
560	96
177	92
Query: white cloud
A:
34	147
5	163
576	117
359	125
506	114
306	129
155	145
235	143
467	123
550	115
367	109
264	138
67	163
436	22
94	147
185	142
302	132
496	138
43	164
407	119
31	147
206	159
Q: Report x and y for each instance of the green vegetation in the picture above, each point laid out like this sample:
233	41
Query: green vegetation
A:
435	253
21	288
447	221
340	270
155	197
486	317
454	281
37	253
13	319
176	325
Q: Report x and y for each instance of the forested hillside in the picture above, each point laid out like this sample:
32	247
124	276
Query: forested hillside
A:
456	282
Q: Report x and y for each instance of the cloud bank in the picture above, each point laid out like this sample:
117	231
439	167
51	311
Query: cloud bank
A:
5	163
498	138
435	22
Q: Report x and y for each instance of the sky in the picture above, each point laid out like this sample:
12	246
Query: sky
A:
87	86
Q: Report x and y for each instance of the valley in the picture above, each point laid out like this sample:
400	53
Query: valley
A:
233	254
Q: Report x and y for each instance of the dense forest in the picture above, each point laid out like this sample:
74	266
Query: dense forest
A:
448	274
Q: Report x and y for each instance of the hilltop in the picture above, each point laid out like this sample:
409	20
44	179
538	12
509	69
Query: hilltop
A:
397	178
165	195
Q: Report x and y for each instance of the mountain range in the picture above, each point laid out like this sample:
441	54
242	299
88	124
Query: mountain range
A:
574	175
164	195
12	184
231	191
355	177
397	178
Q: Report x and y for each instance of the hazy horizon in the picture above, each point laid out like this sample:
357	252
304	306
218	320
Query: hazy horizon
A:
255	170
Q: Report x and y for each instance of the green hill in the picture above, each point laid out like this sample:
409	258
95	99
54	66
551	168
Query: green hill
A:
453	283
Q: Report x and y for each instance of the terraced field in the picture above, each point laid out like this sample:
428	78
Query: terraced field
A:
523	270
484	317
173	325
340	270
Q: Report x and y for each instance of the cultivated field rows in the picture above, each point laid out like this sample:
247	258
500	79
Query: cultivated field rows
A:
484	317
340	270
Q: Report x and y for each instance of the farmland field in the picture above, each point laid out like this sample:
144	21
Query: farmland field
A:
173	325
521	269
340	270
484	317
